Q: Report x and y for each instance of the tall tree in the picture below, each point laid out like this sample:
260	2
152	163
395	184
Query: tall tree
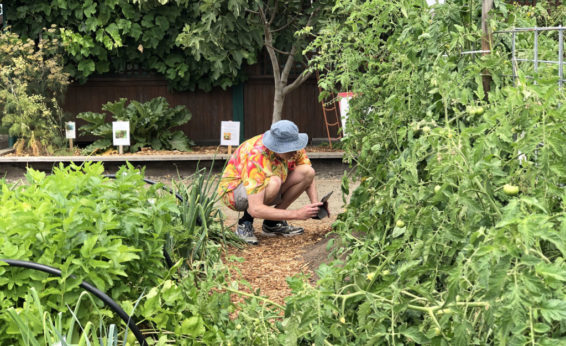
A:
283	26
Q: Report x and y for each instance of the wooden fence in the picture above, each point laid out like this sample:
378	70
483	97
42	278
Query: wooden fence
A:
208	109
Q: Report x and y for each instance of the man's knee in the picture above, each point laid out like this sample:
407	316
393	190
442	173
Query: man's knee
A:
274	183
307	173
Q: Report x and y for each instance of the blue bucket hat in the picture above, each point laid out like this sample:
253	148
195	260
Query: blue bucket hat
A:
284	137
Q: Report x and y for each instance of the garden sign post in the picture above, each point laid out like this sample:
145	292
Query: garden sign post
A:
120	135
230	134
70	132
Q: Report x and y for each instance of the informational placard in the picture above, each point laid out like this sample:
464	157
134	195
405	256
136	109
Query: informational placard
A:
230	133
344	98
70	130
120	133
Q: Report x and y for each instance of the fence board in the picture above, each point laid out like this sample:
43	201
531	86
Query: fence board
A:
208	109
301	106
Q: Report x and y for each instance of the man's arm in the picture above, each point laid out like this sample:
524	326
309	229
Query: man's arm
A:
258	209
311	192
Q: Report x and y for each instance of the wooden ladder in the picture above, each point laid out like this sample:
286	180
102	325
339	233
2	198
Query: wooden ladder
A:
327	111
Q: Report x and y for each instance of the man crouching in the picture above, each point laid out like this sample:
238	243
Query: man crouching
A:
264	176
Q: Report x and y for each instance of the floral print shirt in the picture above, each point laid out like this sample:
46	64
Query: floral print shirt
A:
252	164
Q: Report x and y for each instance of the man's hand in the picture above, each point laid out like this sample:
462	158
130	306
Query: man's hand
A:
308	211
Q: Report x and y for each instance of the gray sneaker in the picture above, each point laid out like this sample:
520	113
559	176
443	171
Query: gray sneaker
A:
246	233
282	228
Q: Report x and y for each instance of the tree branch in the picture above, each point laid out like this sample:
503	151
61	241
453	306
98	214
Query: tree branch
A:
284	26
262	16
278	51
250	11
288	65
269	46
300	80
274	12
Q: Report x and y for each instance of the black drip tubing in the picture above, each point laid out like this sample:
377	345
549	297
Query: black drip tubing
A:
130	322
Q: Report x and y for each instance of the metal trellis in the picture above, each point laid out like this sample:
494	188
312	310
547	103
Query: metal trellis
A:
536	61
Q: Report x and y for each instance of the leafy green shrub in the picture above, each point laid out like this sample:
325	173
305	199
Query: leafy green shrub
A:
32	85
151	124
107	232
111	233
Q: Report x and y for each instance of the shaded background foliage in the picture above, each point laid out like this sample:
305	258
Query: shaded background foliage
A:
117	36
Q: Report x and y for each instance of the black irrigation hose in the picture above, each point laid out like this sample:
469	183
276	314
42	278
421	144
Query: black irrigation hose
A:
130	322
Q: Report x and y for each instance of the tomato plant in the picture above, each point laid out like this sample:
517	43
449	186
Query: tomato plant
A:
468	261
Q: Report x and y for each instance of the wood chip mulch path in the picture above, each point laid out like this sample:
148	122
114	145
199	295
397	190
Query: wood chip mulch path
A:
267	265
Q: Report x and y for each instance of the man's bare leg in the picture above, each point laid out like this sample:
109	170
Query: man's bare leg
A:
298	181
272	191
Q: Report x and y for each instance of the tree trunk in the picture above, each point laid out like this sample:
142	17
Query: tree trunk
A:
281	77
278	102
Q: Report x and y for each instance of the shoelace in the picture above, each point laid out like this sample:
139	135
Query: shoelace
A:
247	231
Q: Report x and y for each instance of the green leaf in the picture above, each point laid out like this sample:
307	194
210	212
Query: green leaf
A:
414	335
551	271
553	310
88	246
86	67
193	326
114	32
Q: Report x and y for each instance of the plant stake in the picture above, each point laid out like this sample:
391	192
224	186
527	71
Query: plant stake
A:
70	132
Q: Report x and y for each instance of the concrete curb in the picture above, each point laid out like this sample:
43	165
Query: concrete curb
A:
142	158
6	151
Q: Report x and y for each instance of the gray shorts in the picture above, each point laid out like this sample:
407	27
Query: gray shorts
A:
241	198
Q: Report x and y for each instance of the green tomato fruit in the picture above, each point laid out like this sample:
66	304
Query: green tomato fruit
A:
437	188
400	223
479	110
510	190
437	331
